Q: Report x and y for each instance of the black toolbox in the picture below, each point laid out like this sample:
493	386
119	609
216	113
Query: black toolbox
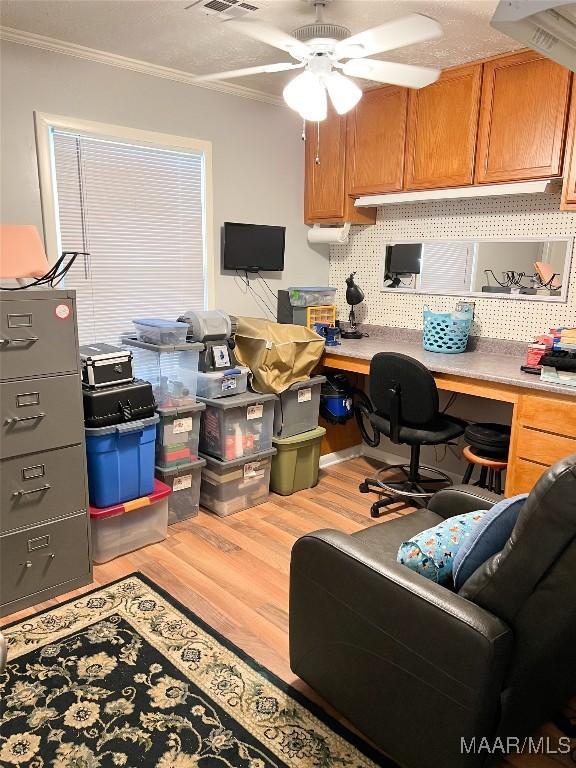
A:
104	365
114	405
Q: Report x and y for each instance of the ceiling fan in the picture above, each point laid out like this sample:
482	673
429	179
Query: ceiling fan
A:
328	51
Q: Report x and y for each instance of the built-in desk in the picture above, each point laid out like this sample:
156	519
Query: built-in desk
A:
543	416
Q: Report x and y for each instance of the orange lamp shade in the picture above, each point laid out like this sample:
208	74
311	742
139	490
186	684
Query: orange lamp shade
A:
22	253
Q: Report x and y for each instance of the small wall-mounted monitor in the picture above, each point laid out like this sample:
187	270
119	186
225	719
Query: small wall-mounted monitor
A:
253	247
404	258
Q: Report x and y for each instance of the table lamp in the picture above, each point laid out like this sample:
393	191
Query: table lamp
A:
22	253
354	296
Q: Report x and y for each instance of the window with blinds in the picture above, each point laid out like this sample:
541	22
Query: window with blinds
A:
447	267
139	212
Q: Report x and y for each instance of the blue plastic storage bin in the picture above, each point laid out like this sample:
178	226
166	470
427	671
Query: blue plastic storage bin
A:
121	461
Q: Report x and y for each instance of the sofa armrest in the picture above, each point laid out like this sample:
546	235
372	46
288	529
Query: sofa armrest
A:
393	651
459	499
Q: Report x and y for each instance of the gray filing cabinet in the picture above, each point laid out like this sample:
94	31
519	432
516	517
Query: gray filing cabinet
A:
44	525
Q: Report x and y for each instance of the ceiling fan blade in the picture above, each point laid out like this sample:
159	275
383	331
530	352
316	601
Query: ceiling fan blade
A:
264	68
407	75
269	35
414	28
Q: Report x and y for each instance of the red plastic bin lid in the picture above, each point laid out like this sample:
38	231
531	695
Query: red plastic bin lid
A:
160	492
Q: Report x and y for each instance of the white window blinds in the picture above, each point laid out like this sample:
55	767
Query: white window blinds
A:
139	212
447	267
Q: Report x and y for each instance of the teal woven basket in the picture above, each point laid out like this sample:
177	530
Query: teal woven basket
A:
446	331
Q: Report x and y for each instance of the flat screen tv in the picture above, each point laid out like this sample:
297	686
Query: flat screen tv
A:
253	247
404	258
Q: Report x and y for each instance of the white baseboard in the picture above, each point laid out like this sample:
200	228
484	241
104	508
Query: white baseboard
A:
338	456
373	453
393	458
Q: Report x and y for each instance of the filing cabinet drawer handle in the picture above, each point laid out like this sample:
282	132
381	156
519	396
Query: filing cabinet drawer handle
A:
32	490
16	419
28	340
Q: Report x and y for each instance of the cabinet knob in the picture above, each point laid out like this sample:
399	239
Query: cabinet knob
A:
51	556
27	564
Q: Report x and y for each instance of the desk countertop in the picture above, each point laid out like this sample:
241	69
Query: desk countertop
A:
481	365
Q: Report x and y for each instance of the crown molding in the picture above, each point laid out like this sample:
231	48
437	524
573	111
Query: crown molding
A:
135	65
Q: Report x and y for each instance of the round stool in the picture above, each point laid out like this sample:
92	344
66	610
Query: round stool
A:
490	469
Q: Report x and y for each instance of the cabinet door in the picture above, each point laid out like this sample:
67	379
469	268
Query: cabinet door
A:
441	132
569	189
325	169
376	138
522	119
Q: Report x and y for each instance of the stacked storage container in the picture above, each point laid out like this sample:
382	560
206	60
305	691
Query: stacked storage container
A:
177	462
236	442
173	370
231	486
128	510
297	437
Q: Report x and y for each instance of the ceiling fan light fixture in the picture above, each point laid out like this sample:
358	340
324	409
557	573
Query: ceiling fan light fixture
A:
306	95
344	93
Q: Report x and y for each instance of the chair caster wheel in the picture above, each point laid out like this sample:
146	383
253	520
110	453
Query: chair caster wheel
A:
363	487
374	510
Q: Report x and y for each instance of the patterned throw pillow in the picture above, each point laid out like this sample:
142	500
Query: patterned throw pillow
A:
432	552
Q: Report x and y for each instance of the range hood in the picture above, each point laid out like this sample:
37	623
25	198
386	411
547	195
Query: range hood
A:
546	26
549	186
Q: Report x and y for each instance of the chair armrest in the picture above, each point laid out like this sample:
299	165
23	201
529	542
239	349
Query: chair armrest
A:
386	646
459	499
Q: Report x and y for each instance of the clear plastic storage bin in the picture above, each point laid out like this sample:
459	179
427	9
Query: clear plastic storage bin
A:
234	427
231	486
171	369
153	330
233	381
185	485
296	409
177	435
312	296
122	528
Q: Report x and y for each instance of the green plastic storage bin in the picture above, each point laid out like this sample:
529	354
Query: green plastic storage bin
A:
295	466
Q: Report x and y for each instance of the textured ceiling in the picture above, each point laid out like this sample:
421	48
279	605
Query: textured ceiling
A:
162	32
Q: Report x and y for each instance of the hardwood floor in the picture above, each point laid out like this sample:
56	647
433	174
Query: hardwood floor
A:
233	572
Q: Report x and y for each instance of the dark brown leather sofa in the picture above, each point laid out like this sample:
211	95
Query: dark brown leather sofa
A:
422	670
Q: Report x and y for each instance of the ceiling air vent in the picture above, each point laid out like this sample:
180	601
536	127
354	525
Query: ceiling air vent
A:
224	9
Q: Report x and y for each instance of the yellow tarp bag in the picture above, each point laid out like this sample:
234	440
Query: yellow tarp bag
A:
278	355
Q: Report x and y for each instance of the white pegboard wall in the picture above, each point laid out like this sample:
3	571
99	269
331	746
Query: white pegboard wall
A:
518	216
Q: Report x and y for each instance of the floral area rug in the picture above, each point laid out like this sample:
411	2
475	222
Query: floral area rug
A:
125	676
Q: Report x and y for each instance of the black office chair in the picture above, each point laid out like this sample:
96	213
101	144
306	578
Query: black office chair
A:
406	409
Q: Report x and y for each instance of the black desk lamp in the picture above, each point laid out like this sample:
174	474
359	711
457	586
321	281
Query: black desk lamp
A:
354	296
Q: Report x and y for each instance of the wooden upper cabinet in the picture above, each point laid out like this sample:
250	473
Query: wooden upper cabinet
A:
441	131
522	119
376	138
326	200
569	188
325	168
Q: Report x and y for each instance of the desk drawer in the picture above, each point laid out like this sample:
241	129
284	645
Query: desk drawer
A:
525	475
43	557
39	414
550	414
543	447
41	486
37	337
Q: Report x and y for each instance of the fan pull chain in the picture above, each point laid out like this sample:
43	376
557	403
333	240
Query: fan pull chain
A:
303	130
317	158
